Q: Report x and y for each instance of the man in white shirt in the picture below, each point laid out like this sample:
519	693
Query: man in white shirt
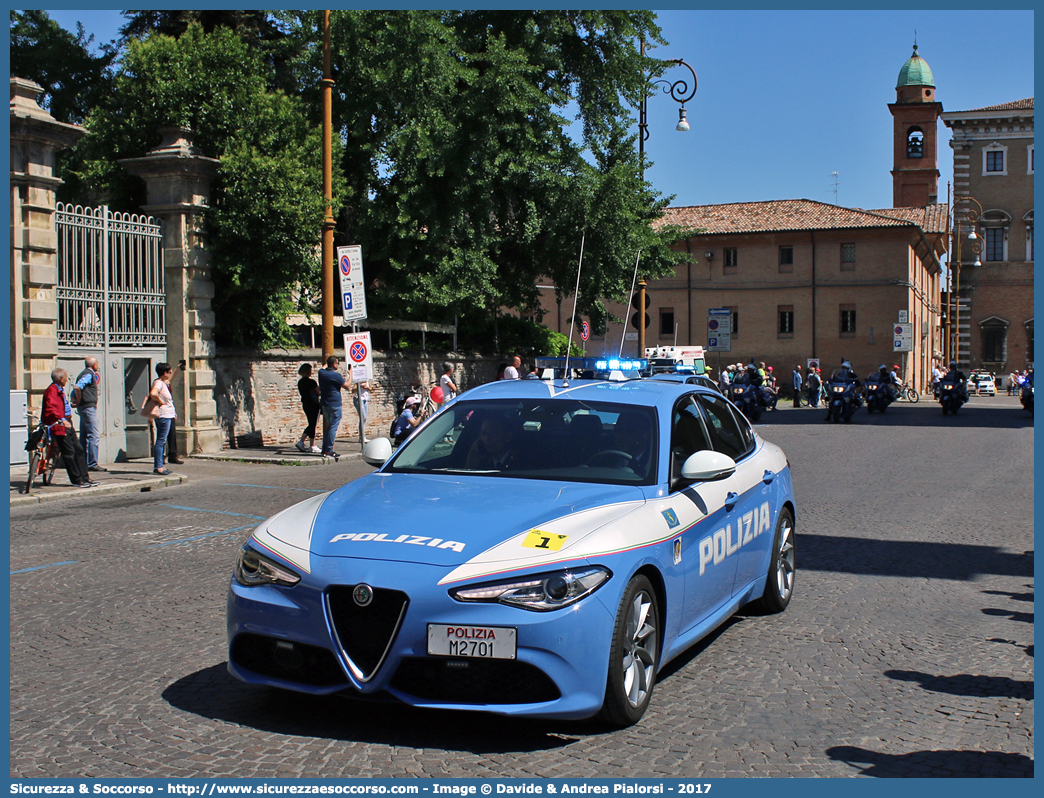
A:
511	372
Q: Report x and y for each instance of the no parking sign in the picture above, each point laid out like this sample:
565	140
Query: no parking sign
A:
358	353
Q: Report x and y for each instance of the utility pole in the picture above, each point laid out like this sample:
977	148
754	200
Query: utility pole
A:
328	220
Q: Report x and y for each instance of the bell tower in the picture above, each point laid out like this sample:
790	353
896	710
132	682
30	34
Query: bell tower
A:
915	113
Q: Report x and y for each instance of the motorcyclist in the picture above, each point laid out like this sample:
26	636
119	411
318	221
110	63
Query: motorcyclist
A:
751	376
956	376
843	374
889	381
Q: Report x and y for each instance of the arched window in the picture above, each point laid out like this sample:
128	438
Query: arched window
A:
993	333
1028	219
915	143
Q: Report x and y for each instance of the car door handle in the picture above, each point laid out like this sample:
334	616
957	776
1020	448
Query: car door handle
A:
768	477
730	500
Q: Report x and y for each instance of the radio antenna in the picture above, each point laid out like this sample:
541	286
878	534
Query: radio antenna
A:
630	297
572	319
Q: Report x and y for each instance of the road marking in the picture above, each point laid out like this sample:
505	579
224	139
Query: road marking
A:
270	487
219	512
201	537
38	567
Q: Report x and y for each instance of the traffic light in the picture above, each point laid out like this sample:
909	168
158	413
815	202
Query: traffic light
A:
634	321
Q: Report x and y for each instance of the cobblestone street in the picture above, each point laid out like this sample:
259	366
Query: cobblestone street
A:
907	650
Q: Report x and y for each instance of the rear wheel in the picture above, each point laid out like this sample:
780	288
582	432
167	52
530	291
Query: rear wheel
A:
34	465
779	584
633	655
912	395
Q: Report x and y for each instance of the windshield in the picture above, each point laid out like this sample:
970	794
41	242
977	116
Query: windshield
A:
557	439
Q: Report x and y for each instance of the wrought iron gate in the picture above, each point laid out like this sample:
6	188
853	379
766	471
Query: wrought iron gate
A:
110	279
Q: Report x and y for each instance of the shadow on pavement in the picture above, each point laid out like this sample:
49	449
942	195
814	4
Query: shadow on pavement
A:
214	693
909	558
925	764
967	684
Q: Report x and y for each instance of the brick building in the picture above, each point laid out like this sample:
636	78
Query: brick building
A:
993	193
803	279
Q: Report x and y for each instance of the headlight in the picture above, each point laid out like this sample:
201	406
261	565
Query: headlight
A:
254	569
540	593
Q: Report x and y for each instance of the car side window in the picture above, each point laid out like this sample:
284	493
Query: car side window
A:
688	434
724	429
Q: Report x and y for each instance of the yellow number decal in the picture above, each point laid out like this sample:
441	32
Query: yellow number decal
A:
538	539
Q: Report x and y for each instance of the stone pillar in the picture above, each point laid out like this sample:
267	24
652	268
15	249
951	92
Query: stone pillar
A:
36	138
178	178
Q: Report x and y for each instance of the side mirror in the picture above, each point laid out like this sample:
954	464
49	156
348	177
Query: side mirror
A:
377	451
707	466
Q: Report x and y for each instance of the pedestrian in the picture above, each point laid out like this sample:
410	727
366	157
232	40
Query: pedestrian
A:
814	384
331	383
511	372
1013	381
361	400
534	373
309	390
406	421
85	400
797	381
500	371
449	387
57	414
160	395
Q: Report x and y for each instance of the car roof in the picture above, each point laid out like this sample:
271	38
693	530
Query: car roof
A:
645	393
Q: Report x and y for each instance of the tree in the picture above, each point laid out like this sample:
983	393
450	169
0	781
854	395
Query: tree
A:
465	188
73	79
266	204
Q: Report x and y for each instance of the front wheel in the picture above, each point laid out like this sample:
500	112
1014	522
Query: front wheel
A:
779	583
913	395
49	466
633	655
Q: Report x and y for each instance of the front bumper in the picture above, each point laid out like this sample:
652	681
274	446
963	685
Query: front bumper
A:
295	638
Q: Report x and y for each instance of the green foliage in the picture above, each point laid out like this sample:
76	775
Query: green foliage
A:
73	79
266	205
454	169
514	335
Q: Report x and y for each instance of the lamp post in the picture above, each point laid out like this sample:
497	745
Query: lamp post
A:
964	220
680	93
328	220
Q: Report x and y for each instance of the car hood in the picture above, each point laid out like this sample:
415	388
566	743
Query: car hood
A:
440	520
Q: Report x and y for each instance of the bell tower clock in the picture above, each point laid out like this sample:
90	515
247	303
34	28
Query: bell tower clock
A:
915	114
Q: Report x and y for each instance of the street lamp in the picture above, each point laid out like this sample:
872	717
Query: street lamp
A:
965	220
680	93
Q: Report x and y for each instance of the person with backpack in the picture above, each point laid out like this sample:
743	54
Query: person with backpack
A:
815	383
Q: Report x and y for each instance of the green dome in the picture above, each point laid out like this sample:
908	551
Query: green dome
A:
915	72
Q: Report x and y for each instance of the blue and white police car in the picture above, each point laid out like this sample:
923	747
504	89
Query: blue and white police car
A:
537	548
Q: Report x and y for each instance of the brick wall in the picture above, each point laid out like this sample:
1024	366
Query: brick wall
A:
258	402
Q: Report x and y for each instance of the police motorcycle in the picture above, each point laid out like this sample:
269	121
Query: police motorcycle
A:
843	397
1026	396
951	395
877	392
747	396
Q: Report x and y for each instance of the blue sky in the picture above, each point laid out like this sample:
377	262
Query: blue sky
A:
786	98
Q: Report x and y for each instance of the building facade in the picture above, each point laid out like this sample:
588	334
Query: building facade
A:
802	280
993	273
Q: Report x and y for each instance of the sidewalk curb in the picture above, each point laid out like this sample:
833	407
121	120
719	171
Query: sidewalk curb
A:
281	460
140	486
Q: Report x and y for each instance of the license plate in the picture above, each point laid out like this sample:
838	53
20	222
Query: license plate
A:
489	642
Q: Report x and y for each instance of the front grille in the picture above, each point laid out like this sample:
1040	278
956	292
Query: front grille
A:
474	681
286	660
365	633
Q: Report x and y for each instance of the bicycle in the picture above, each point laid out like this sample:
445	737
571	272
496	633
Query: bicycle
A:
43	457
909	394
427	404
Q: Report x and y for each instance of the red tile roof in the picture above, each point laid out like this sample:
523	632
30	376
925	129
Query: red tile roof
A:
799	214
1017	105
